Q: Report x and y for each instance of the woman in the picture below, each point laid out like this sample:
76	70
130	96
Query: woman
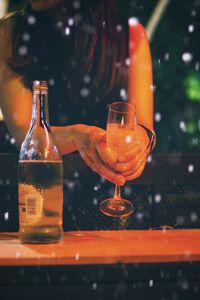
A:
80	49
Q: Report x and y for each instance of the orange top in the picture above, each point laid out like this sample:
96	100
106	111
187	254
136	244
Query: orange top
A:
104	247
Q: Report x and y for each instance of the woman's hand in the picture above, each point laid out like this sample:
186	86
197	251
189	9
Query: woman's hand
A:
131	163
90	141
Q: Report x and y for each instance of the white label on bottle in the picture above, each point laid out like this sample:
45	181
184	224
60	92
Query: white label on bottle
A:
30	204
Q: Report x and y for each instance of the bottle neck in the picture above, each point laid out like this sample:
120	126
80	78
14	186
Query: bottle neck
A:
40	114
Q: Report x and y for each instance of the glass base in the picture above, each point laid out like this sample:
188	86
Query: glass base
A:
116	209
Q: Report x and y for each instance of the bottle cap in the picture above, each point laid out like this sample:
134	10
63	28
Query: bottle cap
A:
40	85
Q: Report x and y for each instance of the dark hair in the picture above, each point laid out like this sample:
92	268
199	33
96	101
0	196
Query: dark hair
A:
96	42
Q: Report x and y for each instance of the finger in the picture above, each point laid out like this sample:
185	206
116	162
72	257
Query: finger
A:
105	170
134	165
89	162
106	153
123	168
137	150
136	174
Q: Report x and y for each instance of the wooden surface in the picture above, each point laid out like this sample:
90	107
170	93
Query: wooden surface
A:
104	247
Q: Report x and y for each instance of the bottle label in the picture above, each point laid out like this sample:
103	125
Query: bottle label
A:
30	204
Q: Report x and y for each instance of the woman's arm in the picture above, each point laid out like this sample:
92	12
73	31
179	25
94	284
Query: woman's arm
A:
140	79
16	105
140	94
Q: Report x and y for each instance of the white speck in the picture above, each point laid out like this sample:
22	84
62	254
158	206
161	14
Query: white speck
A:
132	21
12	141
193	217
22	50
149	158
182	126
197	66
194	141
190	168
26	37
191	28
180	220
150	199
157	198
123	94
157	117
95	188
84	92
67	30
31	20
7	181
128	139
193	13
151	282
185	285
6	216
77	256
127	61
139	216
76	174
86	79
153	87
102	179
127	190
187	57
71	22
95	201
51	81
166	57
71	185
59	24
119	27
76	4
159	61
94	286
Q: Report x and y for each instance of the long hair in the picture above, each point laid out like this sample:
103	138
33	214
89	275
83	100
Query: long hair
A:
93	40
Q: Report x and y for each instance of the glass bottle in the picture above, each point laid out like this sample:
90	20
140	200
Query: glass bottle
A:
40	171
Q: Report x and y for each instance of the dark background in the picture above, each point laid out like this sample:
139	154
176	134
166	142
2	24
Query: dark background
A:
176	82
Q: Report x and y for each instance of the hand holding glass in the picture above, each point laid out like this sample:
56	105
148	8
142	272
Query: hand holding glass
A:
120	134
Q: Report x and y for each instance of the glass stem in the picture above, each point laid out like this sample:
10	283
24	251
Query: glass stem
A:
117	194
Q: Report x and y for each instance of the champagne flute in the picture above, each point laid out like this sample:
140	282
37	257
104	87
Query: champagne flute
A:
120	134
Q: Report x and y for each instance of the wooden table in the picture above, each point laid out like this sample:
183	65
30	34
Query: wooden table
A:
104	247
100	263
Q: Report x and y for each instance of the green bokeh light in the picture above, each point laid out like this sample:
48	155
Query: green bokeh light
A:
192	87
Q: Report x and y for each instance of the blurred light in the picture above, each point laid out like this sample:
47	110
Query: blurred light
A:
157	117
192	86
190	168
182	126
67	30
133	21
191	28
187	57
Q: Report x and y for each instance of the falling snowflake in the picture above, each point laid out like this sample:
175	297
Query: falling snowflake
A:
191	28
67	31
133	21
187	57
31	20
157	198
84	92
157	117
190	168
22	50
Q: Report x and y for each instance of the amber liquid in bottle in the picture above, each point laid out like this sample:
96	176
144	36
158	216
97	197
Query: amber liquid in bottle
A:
40	172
